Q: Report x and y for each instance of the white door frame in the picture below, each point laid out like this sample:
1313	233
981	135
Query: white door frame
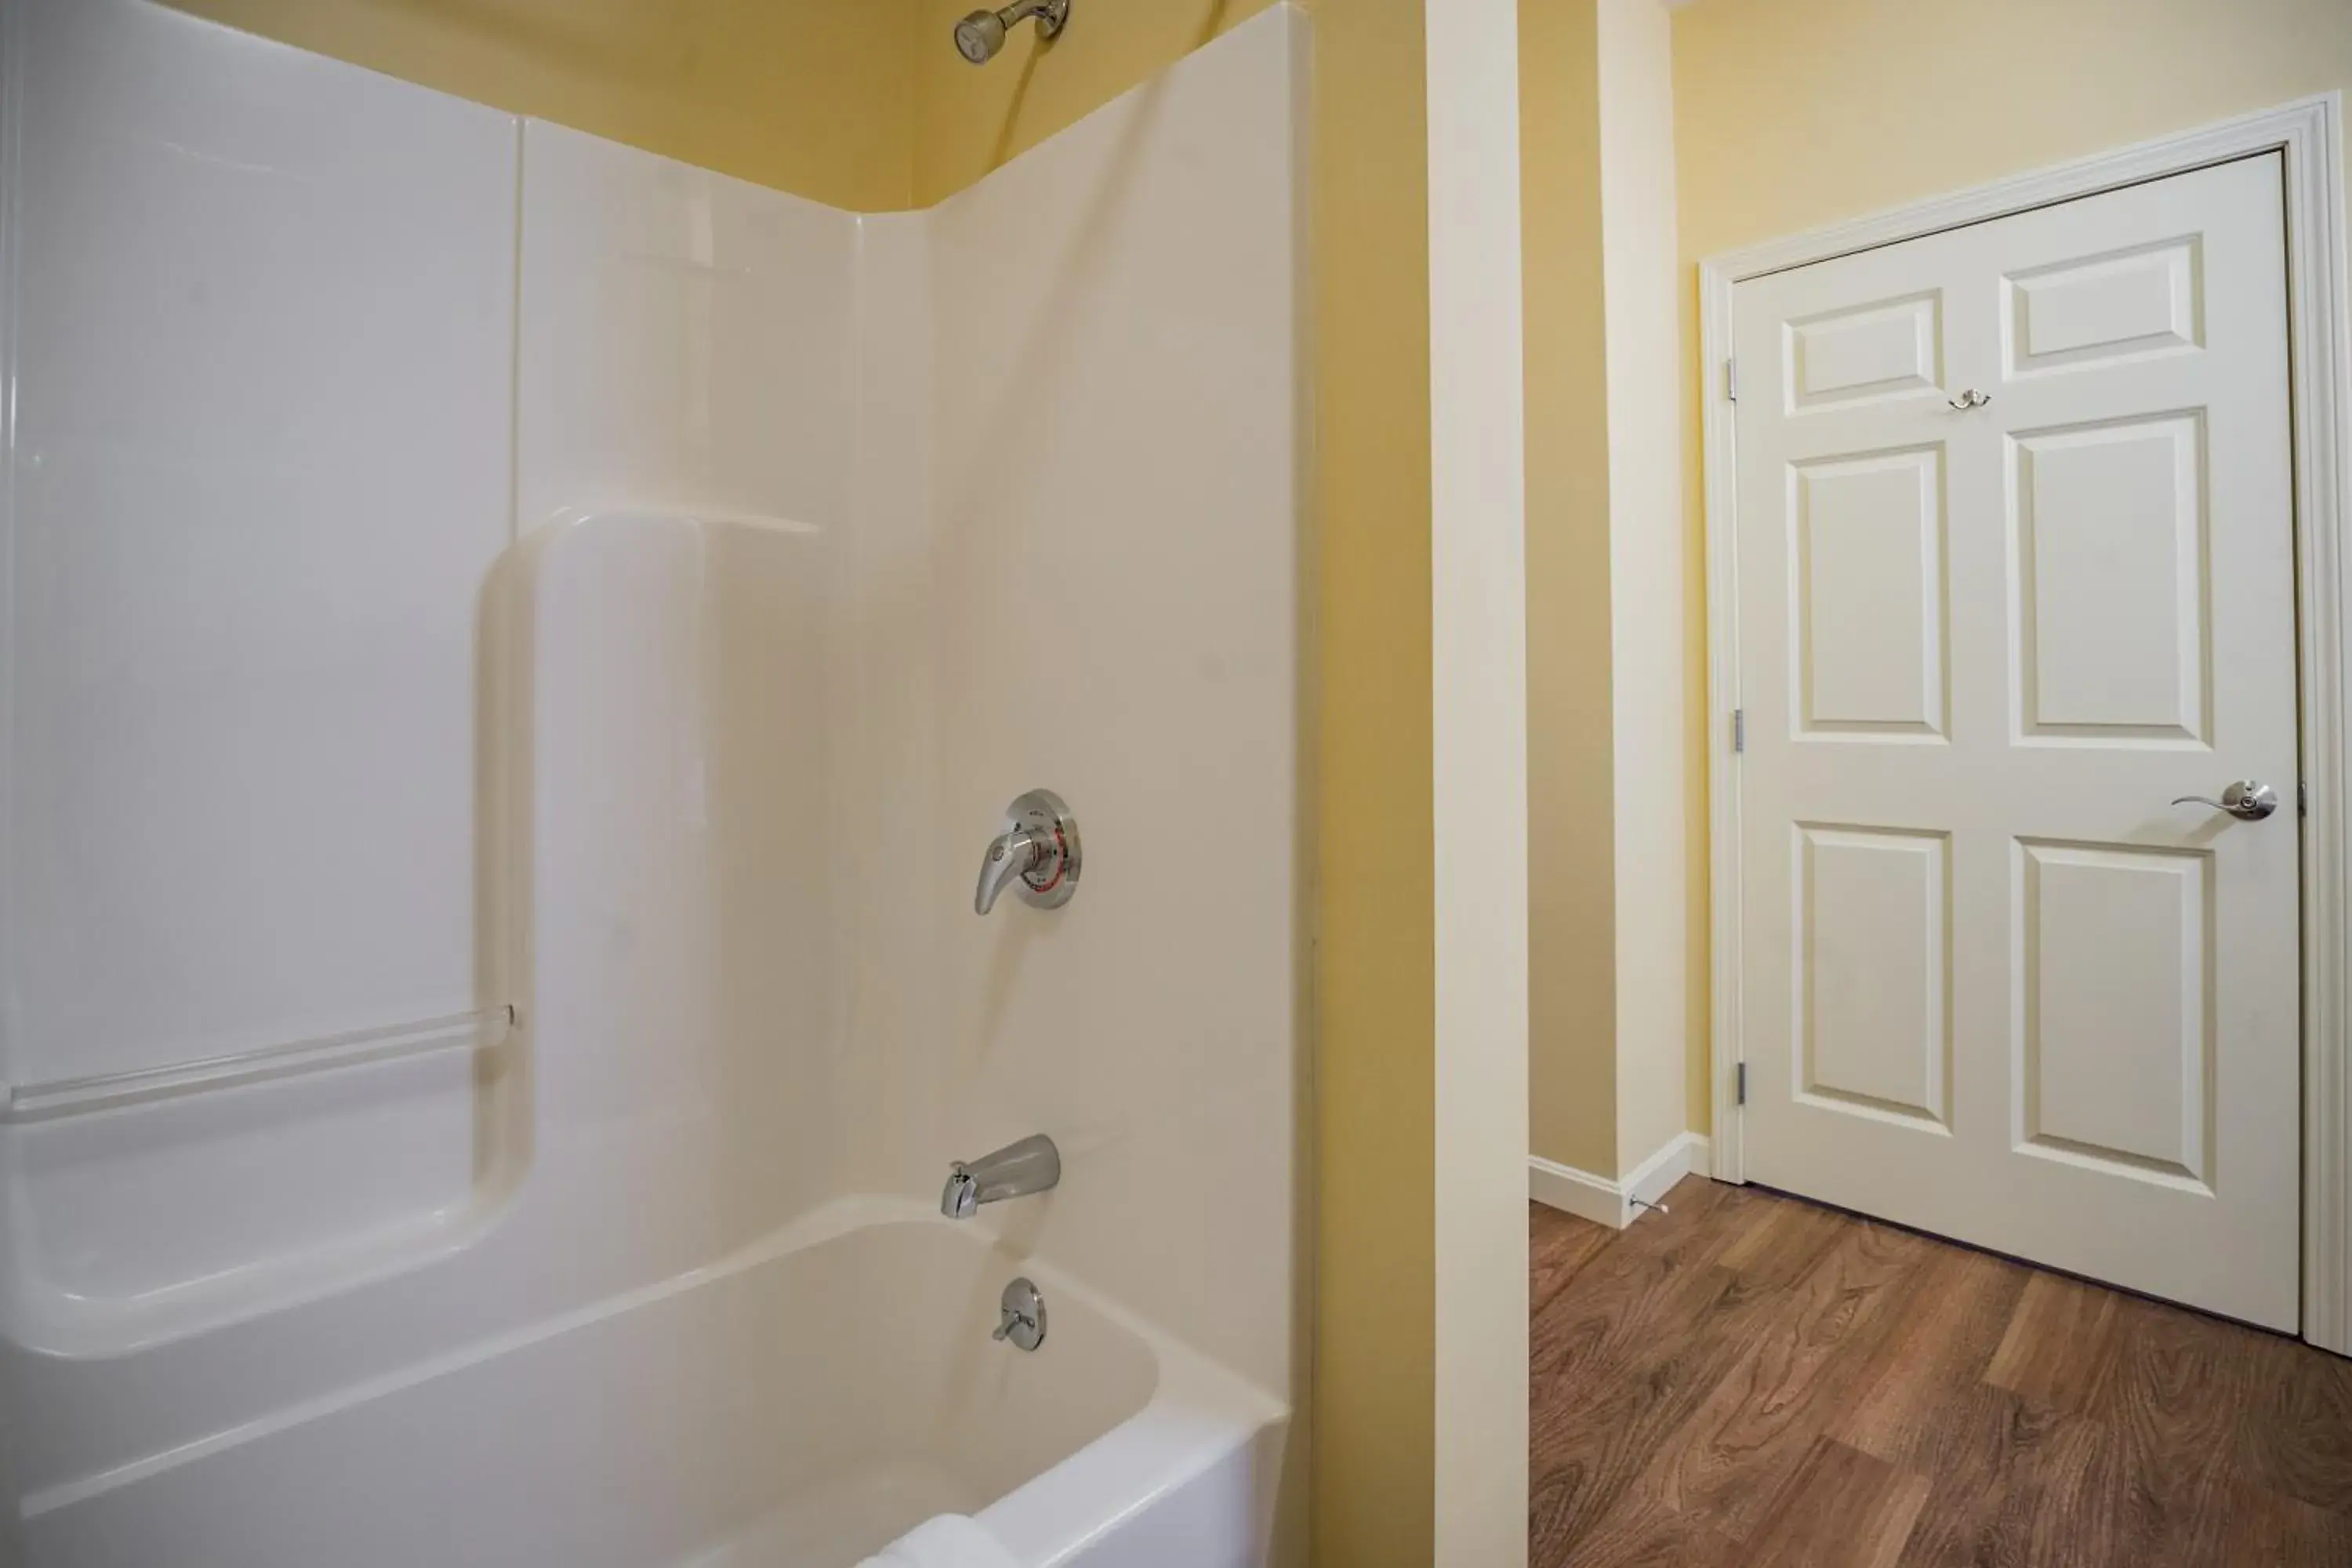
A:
2308	133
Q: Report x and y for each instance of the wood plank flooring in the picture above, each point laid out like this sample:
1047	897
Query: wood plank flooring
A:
1752	1380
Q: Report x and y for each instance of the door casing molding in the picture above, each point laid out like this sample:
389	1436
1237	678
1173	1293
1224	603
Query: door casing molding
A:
2308	131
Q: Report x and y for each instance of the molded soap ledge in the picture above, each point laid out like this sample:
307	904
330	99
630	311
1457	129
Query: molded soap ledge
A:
145	1222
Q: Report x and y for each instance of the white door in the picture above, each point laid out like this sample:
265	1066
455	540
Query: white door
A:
1994	984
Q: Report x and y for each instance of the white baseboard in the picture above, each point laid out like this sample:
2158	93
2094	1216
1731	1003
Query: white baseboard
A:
1615	1203
1579	1192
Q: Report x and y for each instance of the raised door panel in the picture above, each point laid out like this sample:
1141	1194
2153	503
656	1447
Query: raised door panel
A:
1867	542
1867	353
1872	971
2115	1039
2110	536
2143	301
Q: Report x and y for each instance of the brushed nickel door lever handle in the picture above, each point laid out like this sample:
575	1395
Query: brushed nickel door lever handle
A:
2248	800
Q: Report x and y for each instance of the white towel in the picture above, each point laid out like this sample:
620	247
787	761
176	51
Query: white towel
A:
947	1541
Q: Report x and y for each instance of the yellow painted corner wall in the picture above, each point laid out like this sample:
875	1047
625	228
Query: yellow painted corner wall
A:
1790	114
815	96
1571	899
1374	1398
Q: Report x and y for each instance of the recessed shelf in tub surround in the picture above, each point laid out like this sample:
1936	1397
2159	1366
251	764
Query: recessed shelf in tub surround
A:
485	1030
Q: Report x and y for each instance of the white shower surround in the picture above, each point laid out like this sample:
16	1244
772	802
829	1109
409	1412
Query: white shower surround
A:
835	533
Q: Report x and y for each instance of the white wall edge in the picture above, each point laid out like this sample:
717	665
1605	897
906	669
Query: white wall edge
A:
1616	1203
2308	133
1479	782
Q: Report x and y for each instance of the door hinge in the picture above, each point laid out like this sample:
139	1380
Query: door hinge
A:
2301	798
1738	729
1739	1074
1731	380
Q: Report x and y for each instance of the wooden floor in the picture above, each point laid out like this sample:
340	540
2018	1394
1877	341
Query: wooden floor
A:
1751	1380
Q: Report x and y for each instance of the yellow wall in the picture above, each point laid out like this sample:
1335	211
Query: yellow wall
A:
1374	1399
1375	1396
1790	114
1571	909
1607	753
816	97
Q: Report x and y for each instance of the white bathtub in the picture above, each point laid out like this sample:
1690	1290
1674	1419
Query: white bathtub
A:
802	1402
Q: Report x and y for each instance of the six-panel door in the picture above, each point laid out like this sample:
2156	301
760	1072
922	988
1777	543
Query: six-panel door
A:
2016	569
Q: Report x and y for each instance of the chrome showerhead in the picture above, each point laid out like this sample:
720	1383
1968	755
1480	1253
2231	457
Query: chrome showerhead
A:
979	36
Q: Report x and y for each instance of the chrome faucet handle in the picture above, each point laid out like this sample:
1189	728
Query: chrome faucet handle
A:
1011	855
1037	855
